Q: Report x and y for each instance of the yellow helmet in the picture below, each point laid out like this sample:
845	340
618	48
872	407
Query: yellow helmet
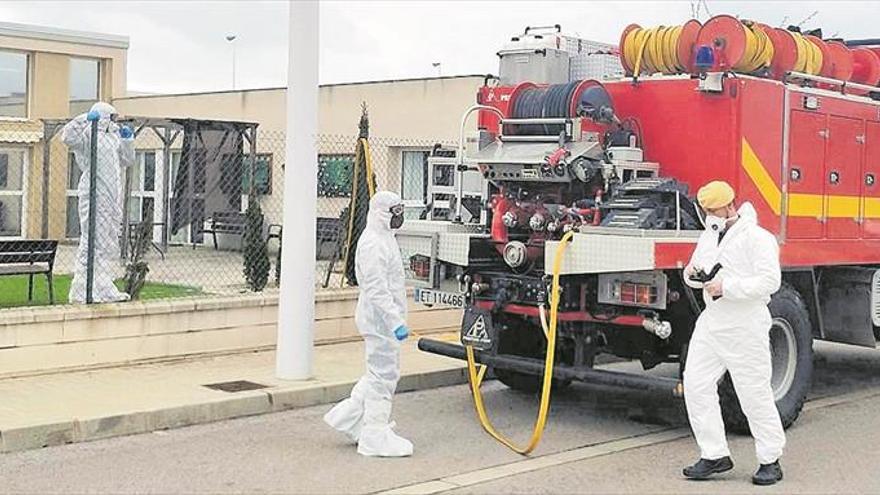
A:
716	194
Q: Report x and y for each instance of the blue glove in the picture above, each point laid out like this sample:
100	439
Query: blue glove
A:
401	333
125	132
93	115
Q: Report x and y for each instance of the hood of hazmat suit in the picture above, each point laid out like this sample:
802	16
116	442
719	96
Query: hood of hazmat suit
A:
381	308
113	153
732	335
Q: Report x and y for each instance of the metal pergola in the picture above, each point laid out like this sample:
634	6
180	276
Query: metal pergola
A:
167	130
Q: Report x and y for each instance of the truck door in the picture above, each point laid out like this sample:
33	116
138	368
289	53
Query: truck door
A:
806	169
870	188
843	177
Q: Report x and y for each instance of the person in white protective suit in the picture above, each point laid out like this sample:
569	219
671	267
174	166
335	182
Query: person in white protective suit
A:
365	417
115	150
732	335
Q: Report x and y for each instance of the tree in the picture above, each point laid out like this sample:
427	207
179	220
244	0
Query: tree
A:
363	184
136	269
256	253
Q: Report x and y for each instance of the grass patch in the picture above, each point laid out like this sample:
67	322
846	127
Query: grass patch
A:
14	290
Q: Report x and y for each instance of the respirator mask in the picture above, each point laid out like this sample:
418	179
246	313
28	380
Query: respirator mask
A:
396	216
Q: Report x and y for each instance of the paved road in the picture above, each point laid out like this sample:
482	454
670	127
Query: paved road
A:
596	442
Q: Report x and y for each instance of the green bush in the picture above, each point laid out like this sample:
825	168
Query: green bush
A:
256	253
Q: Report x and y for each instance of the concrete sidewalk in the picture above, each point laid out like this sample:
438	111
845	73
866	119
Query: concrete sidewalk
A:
55	409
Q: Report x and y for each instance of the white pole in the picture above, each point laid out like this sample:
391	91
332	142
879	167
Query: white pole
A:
296	306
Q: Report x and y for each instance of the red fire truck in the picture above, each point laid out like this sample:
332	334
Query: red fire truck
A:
617	164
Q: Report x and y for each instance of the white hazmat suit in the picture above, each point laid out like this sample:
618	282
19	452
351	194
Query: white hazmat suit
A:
732	334
113	152
365	417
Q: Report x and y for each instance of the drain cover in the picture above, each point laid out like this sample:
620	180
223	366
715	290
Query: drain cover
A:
235	386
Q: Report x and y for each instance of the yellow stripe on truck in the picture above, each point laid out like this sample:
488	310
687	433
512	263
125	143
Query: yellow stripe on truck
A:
803	205
762	180
842	206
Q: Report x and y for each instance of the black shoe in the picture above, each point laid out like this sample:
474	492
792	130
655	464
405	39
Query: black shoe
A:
705	468
768	474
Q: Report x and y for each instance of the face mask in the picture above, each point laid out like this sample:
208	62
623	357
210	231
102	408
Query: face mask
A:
715	224
396	221
396	216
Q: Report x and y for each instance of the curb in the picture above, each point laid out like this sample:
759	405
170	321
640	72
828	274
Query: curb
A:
241	405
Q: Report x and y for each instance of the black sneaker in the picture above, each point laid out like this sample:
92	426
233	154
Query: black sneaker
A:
704	468
768	474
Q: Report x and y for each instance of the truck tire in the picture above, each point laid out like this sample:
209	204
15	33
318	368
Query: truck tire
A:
521	338
791	345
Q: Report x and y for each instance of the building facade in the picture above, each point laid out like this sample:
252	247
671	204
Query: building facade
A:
47	73
53	74
407	117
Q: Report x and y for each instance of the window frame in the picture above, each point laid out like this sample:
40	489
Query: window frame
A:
98	82
28	78
139	193
346	189
270	163
414	204
71	191
22	192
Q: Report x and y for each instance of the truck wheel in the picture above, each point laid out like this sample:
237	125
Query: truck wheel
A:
791	350
521	338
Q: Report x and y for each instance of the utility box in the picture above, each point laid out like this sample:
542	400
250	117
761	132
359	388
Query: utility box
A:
543	55
537	55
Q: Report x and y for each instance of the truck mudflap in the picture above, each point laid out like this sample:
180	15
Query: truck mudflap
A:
660	386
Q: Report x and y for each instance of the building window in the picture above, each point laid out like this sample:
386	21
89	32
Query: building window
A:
414	181
143	187
12	170
84	84
73	174
183	235
334	175
13	84
262	175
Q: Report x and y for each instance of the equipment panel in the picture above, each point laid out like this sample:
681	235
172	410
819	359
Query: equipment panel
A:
806	171
870	188
843	171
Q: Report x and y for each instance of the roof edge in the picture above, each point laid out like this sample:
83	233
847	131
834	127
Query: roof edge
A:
46	33
280	88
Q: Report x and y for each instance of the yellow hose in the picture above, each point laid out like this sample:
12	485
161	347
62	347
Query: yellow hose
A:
476	378
759	49
809	59
654	50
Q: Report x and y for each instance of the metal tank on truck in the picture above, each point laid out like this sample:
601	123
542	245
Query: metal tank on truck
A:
588	213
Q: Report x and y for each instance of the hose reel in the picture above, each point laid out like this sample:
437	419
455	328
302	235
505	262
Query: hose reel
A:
587	98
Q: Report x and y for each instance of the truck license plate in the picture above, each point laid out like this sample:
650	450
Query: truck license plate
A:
431	297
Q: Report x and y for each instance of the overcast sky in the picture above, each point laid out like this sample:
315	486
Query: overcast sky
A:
180	46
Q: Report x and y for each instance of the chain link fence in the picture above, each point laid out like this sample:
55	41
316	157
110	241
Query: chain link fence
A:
181	208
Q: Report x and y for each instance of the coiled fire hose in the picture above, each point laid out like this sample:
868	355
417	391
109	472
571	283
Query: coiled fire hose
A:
654	50
759	49
809	58
476	377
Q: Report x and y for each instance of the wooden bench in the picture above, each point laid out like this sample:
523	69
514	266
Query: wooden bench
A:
327	231
29	257
224	222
